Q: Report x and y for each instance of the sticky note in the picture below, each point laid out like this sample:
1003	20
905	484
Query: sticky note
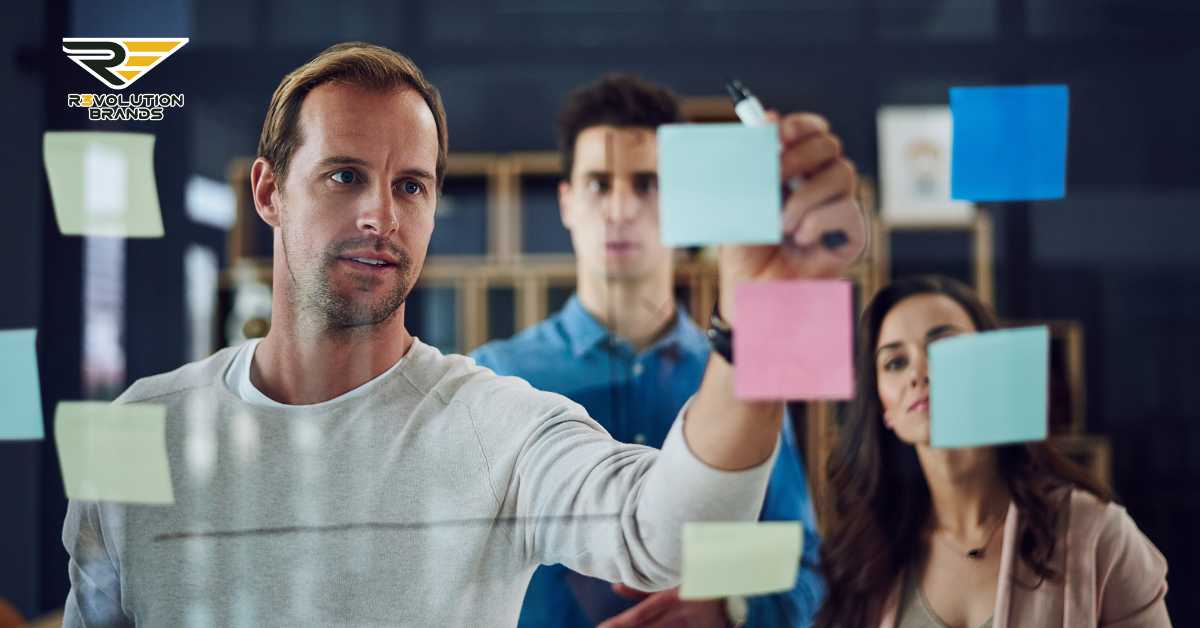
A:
718	184
21	418
739	558
1009	143
102	183
794	340
113	452
989	388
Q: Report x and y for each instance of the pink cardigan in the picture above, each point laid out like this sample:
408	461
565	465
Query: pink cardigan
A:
1114	576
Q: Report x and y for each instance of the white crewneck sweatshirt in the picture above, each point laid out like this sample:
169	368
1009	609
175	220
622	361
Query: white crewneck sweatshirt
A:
427	501
237	379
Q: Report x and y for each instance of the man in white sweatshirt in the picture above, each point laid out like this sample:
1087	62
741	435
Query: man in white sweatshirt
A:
341	472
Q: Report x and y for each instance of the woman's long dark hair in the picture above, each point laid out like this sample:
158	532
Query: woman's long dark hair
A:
879	498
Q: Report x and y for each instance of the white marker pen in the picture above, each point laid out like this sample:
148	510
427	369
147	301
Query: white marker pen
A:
750	111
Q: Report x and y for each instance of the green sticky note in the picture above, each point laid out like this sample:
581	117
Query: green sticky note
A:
102	183
21	418
721	559
719	183
113	452
989	388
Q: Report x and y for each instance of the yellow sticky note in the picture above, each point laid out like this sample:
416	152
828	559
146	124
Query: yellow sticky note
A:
114	452
102	183
739	558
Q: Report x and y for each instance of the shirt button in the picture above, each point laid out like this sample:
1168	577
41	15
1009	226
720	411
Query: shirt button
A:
639	439
637	369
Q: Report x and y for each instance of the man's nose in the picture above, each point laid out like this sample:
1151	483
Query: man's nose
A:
379	216
623	203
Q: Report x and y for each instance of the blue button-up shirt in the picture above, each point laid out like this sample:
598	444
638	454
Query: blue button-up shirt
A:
636	397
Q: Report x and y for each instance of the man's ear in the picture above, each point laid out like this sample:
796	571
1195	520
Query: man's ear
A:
264	189
564	203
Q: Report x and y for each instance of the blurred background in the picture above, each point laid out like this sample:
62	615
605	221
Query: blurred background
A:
1114	268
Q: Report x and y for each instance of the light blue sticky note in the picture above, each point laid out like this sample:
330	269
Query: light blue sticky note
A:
989	388
1009	143
21	417
102	183
719	184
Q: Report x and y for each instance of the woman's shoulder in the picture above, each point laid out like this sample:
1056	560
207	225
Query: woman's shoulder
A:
1093	519
1106	527
1090	510
1118	565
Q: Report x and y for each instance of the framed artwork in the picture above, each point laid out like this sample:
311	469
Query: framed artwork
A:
914	166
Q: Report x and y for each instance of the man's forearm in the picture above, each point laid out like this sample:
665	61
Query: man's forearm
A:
725	432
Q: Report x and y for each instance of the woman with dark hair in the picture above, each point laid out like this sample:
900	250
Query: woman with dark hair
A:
1010	535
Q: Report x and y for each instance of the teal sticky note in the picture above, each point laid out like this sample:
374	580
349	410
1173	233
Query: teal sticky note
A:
21	418
989	388
113	452
102	183
1009	143
719	184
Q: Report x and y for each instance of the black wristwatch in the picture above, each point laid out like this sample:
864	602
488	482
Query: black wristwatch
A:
720	335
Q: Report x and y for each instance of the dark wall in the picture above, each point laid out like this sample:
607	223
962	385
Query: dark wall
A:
1121	253
20	274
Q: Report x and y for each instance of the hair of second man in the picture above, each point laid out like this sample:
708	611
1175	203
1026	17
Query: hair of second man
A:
618	100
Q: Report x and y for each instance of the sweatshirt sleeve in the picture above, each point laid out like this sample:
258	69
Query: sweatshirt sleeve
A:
95	595
607	509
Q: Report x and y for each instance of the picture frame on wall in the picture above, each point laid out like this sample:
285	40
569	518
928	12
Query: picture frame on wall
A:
914	166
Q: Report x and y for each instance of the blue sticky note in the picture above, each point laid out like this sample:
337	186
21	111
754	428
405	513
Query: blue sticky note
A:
719	184
1009	143
989	388
21	418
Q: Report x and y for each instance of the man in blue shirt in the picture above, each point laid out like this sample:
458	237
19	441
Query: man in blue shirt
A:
624	349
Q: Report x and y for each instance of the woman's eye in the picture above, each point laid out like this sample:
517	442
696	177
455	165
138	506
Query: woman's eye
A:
344	176
893	364
411	187
597	186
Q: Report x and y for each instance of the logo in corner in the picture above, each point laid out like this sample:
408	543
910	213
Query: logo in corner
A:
118	62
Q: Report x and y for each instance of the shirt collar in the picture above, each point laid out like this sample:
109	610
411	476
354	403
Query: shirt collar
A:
585	332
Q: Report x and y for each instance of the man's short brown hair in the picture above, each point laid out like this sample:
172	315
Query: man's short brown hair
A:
620	100
355	63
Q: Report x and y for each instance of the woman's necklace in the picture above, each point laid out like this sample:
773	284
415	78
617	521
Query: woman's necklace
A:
974	553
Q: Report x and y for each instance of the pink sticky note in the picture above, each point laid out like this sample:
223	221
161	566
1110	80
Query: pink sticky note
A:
794	340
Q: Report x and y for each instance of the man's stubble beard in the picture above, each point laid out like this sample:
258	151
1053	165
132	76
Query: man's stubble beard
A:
314	299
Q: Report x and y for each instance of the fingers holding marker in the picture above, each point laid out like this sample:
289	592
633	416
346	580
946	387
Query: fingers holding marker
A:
806	157
843	216
837	180
797	127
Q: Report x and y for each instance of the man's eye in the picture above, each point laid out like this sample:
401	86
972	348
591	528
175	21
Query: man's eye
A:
344	176
412	187
597	186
